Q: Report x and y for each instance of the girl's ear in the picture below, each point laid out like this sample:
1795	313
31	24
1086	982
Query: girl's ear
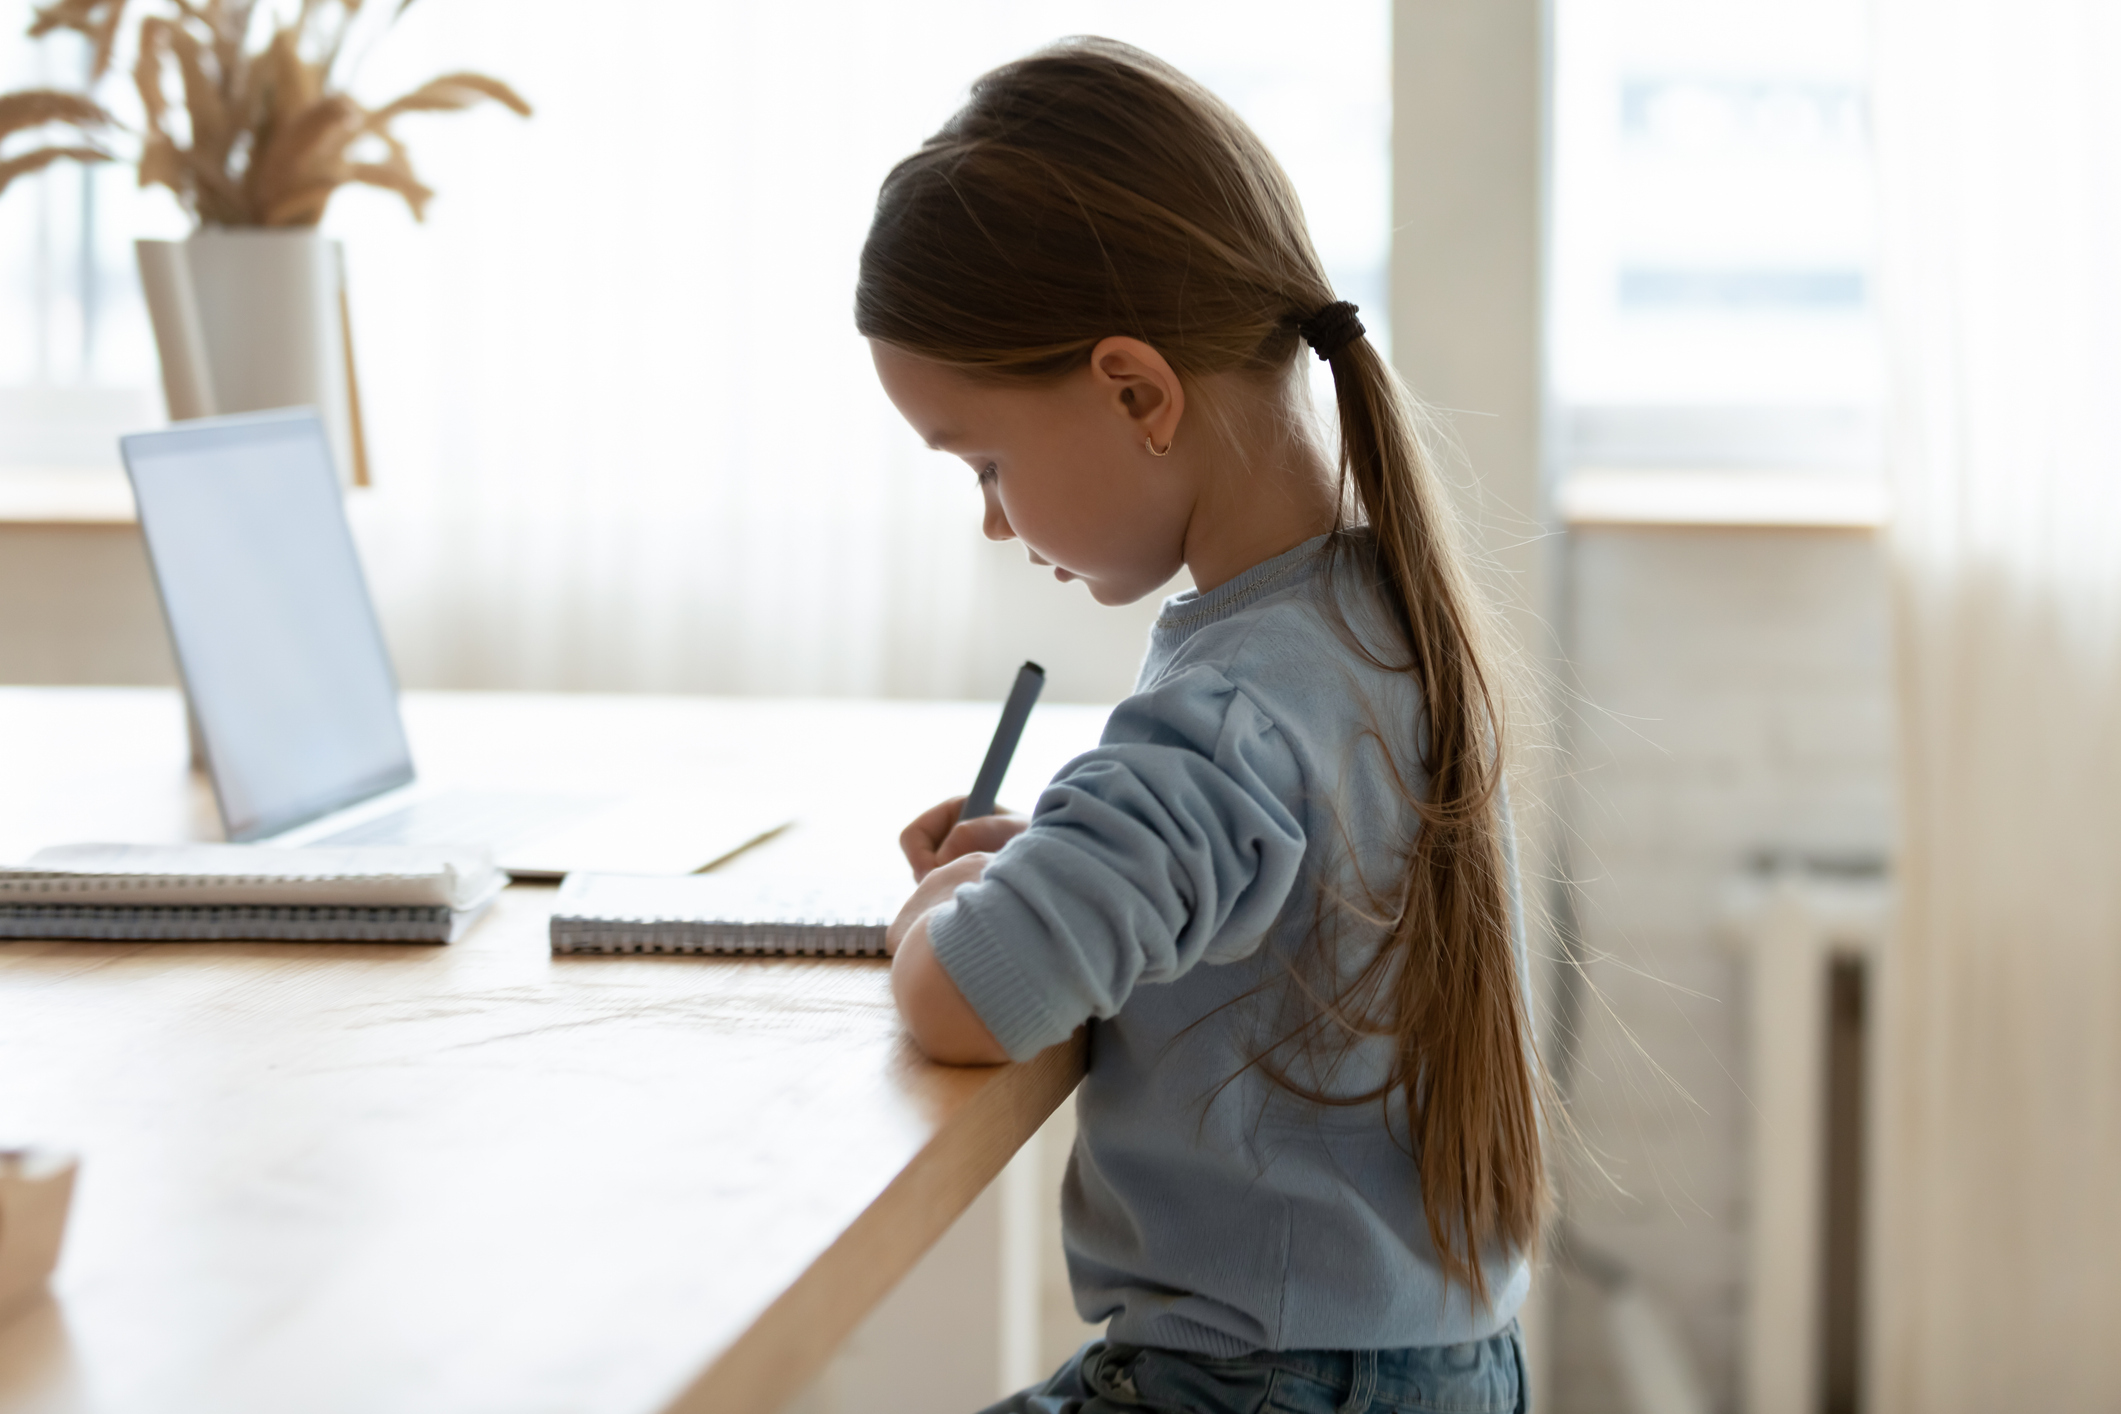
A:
1139	386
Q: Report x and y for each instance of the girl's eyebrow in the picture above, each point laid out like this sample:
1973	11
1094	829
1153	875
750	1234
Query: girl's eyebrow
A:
936	440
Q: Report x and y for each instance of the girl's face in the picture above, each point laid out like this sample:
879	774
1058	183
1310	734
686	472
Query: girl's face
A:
1062	464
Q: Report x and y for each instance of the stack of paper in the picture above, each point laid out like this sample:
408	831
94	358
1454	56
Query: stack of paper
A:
380	894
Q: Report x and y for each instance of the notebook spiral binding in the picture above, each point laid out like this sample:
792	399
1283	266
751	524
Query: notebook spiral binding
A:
782	938
226	922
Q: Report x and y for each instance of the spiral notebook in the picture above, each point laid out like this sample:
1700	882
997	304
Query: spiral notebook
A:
731	916
211	892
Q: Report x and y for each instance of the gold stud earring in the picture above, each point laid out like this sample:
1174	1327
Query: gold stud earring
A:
1150	443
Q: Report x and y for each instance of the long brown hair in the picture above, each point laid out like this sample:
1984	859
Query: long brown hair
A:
1091	190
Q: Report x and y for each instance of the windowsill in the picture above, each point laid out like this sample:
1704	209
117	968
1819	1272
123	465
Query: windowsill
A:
65	496
1613	497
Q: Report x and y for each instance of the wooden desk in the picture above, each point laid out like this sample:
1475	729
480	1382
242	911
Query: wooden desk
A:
478	1177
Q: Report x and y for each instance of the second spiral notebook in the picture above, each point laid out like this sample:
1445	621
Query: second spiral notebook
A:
709	913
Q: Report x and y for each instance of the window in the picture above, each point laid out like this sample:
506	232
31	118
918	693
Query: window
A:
1713	295
77	361
622	432
77	358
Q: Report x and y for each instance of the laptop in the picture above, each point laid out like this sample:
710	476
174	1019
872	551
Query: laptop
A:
292	694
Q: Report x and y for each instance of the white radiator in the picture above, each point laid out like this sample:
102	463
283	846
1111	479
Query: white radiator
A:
1793	923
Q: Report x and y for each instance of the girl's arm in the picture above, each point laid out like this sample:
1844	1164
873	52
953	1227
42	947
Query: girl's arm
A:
943	1023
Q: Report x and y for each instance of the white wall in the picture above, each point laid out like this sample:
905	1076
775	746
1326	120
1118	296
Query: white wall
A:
1468	237
1735	698
77	606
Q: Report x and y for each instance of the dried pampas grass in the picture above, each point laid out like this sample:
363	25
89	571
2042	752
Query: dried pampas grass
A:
258	137
43	107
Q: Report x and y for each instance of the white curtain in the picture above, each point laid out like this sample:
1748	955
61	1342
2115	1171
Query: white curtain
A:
623	432
1998	1265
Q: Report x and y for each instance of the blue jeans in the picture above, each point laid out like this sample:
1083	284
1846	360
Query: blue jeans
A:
1479	1377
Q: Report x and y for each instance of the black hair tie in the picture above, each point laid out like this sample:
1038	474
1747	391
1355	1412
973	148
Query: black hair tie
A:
1331	329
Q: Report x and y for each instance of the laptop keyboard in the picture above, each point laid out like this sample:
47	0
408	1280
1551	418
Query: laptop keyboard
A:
499	819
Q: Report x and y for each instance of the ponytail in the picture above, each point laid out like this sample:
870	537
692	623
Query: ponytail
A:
1456	1010
1091	190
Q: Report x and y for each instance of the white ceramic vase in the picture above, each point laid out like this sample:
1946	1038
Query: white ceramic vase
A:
250	318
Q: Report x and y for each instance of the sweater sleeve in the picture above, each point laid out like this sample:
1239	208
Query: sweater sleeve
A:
1173	843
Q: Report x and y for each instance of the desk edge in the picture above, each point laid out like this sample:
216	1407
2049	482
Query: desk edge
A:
790	1342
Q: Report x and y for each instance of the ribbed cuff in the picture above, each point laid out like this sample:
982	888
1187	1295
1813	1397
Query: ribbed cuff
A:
980	964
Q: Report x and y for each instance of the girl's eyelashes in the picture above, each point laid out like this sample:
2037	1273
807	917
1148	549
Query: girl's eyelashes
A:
988	473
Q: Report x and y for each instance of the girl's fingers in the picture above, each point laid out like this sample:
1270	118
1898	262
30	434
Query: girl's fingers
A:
921	840
982	836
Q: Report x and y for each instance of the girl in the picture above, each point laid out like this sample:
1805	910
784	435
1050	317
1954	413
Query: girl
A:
1282	891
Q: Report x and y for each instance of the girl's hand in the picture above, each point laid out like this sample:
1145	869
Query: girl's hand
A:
943	1023
937	837
938	887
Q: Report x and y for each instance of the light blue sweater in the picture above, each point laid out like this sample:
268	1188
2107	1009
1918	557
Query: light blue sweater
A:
1165	880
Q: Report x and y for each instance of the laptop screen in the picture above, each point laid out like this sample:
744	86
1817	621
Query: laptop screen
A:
270	617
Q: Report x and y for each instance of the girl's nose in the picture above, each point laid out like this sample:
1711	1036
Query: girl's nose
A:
996	524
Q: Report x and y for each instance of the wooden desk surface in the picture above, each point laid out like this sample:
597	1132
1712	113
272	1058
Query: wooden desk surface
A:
478	1177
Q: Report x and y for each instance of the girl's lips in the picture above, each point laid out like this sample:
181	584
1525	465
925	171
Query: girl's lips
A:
1062	575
